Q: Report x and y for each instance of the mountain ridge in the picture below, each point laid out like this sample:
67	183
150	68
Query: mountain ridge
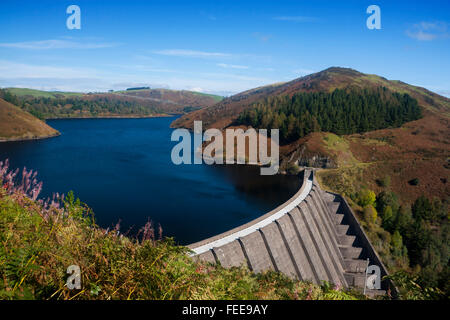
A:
225	112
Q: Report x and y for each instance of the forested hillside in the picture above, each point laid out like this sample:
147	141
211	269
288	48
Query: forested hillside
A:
340	111
139	103
226	112
62	106
412	239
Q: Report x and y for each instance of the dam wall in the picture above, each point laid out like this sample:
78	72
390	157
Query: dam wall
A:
314	236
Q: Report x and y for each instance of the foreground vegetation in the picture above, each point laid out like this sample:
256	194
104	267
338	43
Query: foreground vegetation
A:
41	239
412	240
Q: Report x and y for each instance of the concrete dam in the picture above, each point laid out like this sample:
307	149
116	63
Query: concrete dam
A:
314	236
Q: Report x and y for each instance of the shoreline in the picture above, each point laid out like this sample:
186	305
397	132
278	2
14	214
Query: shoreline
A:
30	139
18	139
162	115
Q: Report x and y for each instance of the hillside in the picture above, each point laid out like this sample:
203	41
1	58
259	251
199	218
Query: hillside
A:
342	111
192	99
227	111
16	124
135	103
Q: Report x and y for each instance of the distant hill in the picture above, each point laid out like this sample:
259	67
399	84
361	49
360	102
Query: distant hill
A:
228	110
21	92
16	124
182	97
134	103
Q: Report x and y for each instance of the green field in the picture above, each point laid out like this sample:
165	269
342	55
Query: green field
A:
215	97
20	92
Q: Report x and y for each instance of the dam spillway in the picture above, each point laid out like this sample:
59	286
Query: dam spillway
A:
314	236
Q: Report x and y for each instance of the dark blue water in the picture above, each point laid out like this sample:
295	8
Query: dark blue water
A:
122	169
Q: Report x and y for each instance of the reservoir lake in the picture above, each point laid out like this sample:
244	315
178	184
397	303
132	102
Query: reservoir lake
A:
122	169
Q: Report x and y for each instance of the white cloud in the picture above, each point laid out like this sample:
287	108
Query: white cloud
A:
428	31
21	70
421	35
197	89
186	53
221	76
56	44
231	66
296	18
191	53
142	68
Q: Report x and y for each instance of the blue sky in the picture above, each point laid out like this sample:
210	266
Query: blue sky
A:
218	46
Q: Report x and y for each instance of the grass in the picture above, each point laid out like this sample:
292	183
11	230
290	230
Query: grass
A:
339	147
18	124
215	97
39	241
343	180
39	93
335	142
